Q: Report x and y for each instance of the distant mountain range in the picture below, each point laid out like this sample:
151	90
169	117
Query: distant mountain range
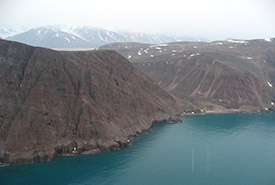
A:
81	37
12	30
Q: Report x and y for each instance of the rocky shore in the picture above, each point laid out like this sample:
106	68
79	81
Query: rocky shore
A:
86	149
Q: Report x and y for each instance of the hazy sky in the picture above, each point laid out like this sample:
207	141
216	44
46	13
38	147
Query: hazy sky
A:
213	19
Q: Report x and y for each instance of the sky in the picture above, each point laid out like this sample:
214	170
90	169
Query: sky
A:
211	19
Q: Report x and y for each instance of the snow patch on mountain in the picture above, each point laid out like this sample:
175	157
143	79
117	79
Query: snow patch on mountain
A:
67	39
268	39
269	84
238	41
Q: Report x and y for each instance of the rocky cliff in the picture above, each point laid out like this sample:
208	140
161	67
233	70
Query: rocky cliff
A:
57	103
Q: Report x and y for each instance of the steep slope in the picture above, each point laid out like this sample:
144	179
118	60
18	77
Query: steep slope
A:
230	74
55	103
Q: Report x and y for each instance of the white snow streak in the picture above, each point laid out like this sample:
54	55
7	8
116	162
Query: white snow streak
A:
98	33
67	39
162	45
237	41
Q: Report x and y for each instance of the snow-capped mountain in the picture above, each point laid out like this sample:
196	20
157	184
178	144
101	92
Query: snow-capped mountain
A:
191	39
12	30
50	37
101	36
97	36
81	37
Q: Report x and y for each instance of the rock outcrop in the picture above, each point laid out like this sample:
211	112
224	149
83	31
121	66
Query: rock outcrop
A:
57	103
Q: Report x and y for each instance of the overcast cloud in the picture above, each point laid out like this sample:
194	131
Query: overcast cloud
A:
212	19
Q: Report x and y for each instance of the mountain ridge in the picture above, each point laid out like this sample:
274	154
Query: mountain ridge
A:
233	74
55	36
65	103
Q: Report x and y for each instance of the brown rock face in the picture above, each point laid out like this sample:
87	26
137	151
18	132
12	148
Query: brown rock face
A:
225	75
54	103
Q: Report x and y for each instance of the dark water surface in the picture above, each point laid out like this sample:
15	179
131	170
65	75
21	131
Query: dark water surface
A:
208	149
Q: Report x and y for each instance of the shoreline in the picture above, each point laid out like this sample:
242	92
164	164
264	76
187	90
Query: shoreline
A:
163	121
228	111
120	144
131	137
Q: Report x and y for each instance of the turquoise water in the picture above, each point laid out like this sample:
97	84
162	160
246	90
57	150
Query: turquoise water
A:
208	149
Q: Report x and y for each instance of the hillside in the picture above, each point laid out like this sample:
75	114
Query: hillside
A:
231	74
60	103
